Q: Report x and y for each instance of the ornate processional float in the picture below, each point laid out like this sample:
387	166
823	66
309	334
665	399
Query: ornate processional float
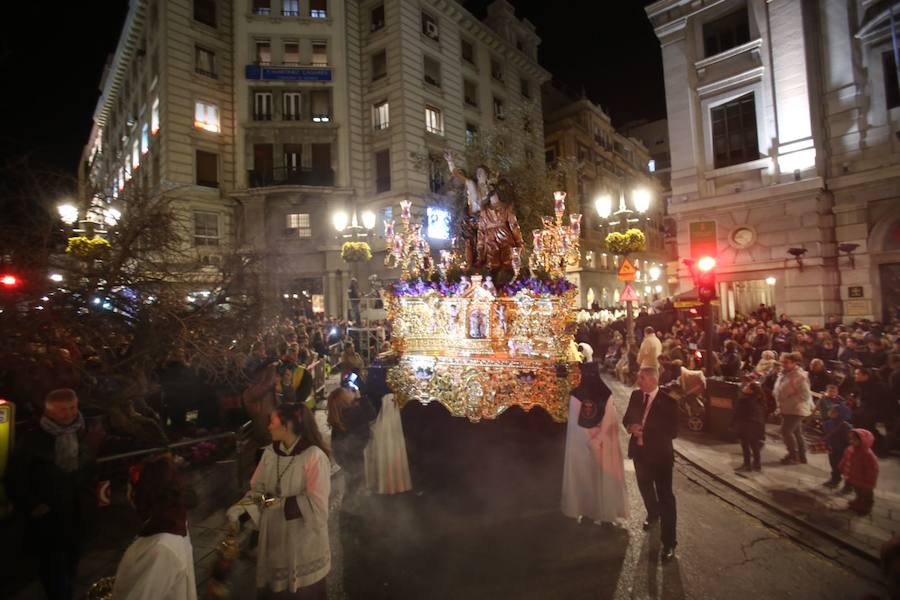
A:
473	345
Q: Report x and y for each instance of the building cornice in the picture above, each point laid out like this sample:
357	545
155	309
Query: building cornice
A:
751	75
774	193
128	42
751	46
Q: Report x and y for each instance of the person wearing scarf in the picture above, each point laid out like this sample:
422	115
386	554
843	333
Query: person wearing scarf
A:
48	482
160	562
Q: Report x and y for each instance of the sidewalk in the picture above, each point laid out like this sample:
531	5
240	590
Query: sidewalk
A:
796	491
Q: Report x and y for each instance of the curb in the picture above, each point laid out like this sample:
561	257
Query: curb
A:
856	549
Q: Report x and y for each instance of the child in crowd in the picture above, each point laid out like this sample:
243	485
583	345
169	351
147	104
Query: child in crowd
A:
828	399
750	424
837	432
860	469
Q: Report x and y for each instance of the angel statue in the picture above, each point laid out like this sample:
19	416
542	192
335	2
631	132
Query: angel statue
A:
490	229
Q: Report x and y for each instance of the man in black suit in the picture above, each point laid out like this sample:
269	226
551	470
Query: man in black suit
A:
652	421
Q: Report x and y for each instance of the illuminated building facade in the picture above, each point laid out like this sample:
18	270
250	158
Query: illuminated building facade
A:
269	116
783	124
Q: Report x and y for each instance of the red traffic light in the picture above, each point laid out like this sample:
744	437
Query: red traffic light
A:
8	280
706	263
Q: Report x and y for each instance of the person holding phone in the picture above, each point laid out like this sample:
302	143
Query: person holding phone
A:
349	415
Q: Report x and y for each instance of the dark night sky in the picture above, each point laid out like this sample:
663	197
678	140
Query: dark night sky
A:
605	47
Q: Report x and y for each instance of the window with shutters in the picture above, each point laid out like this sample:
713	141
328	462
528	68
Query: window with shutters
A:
262	106
432	71
206	116
382	171
263	52
290	109
205	12
381	115
470	92
297	224
434	120
293	157
320	103
291	54
379	65
726	32
262	7
206	228
204	62
734	132
320	53
207	169
318	9
376	18
290	8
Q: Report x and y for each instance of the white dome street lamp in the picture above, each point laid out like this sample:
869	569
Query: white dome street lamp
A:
340	220
368	219
603	204
68	213
654	273
641	200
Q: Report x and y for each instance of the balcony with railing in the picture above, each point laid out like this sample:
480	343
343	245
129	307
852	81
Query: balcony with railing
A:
258	178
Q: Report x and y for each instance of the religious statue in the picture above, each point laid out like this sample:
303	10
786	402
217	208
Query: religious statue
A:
490	229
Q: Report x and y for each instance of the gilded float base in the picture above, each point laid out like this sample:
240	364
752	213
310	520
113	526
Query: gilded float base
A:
483	388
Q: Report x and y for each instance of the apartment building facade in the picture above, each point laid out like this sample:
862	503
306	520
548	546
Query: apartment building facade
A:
783	123
609	167
274	115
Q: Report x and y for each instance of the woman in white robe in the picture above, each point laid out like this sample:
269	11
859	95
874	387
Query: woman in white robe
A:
288	502
594	469
160	562
387	467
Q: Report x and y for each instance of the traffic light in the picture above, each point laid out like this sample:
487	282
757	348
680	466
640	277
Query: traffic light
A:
706	279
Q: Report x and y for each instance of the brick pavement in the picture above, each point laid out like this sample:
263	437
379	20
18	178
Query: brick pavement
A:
796	491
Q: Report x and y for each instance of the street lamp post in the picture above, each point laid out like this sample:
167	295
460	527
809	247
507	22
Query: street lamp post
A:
622	219
354	227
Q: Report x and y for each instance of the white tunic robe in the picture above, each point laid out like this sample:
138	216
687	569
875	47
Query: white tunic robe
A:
295	553
594	470
387	467
157	566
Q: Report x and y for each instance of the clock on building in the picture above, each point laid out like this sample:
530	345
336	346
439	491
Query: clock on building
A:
743	237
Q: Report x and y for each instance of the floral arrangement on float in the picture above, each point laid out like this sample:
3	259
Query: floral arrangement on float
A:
481	338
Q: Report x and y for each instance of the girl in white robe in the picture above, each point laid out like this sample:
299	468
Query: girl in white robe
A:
594	470
160	562
288	502
387	468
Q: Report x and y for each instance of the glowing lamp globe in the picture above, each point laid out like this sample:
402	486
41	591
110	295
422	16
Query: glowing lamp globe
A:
340	220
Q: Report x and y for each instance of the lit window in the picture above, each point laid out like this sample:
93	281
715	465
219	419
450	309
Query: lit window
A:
291	106
320	101
154	117
206	229
381	115
262	7
206	116
320	54
438	223
290	8
651	166
318	9
145	138
471	132
434	121
298	224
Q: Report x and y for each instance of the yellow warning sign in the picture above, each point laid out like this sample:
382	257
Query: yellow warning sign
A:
627	272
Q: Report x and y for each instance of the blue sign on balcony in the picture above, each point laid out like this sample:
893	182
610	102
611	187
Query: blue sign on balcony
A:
264	73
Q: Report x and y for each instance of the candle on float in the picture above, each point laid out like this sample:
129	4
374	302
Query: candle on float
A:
538	241
575	219
559	201
516	260
404	209
397	246
389	229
